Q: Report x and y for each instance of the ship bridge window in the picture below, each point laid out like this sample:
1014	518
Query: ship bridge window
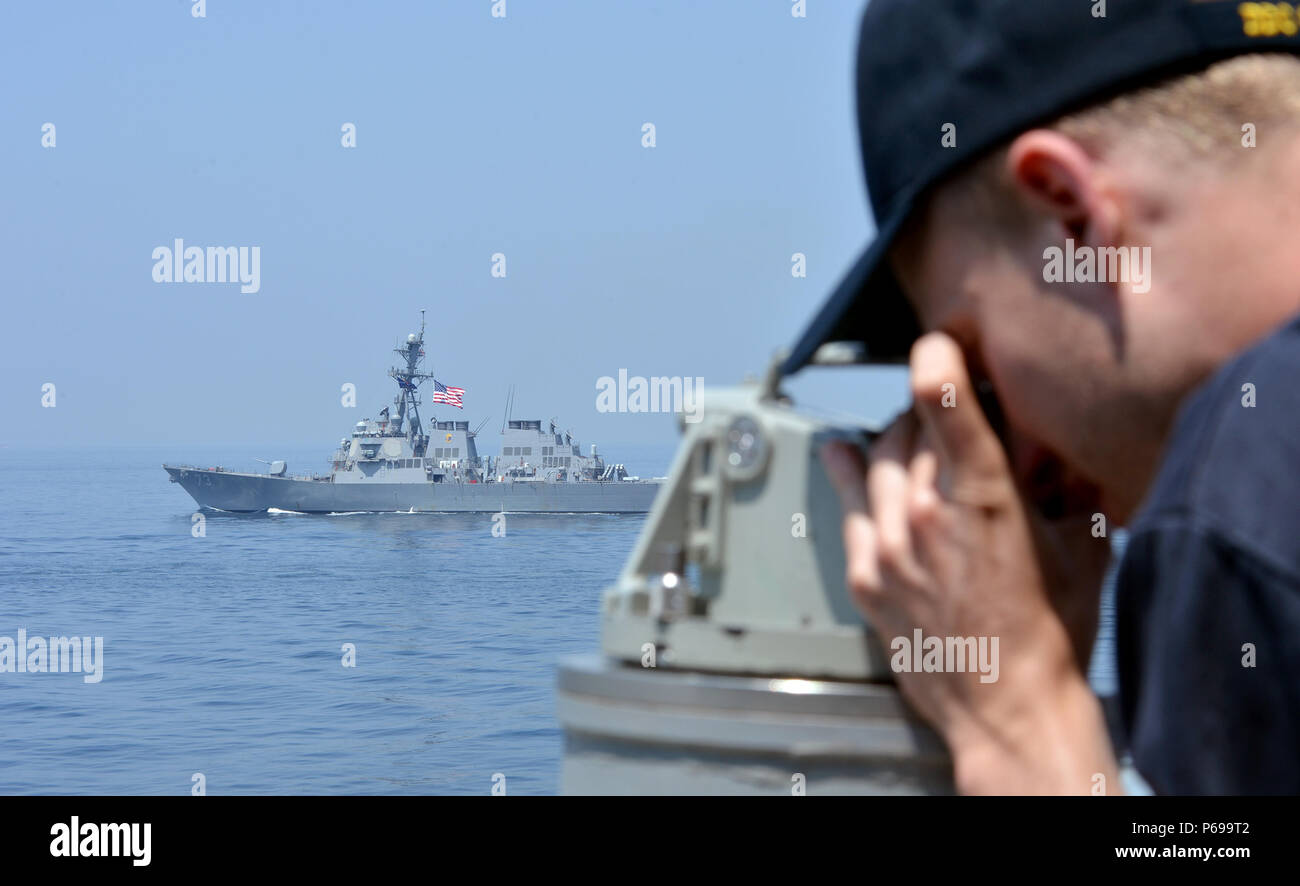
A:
528	450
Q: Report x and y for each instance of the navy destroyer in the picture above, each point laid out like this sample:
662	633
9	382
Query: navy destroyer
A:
394	463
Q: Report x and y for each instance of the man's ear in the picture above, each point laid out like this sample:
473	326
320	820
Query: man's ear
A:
1055	175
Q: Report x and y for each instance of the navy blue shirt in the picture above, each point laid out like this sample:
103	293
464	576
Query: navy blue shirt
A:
1208	591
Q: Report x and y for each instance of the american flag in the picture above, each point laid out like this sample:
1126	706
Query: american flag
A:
450	396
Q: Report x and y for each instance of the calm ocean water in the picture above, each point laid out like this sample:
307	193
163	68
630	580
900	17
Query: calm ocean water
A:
222	655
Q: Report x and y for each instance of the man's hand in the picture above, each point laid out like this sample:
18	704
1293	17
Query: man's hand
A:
937	537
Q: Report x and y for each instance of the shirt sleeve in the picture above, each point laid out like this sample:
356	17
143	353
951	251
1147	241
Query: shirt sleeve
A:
1208	656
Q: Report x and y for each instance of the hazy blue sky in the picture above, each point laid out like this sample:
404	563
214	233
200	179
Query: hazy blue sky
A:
475	135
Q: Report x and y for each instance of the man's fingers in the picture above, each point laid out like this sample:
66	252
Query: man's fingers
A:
888	493
948	407
923	479
847	472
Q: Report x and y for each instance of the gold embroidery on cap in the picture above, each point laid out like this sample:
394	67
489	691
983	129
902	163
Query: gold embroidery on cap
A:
1269	19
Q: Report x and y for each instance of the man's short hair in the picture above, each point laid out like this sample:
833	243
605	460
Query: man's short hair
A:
1196	116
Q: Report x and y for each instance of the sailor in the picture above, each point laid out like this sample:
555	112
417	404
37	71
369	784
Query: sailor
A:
992	134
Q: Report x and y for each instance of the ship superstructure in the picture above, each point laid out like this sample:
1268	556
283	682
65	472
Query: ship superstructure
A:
394	462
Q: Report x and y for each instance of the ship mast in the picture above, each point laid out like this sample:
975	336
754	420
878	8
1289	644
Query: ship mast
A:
408	380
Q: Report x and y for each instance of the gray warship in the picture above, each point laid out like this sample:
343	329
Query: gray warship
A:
395	463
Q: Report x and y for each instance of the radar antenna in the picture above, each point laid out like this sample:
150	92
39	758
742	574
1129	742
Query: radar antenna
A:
510	399
409	378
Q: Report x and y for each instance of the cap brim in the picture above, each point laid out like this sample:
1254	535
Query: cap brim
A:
868	307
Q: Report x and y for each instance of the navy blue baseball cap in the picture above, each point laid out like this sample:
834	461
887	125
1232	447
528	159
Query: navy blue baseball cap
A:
992	69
